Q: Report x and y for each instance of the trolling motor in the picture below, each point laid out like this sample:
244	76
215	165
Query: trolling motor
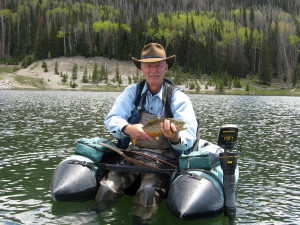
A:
227	140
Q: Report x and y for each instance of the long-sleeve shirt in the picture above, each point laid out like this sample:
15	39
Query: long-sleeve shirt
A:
181	107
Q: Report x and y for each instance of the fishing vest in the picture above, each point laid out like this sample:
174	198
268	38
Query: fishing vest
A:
168	89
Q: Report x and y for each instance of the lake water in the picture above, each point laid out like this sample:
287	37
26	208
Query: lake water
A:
38	129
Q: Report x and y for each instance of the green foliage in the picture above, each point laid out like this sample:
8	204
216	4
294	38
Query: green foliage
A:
178	76
95	76
74	72
226	79
221	86
247	88
107	25
197	86
61	34
56	68
120	81
228	39
85	78
191	85
28	59
265	67
117	72
73	84
44	65
64	78
237	82
237	64
296	75
129	80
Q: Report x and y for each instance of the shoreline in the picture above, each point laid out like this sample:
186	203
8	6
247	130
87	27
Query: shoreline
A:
35	78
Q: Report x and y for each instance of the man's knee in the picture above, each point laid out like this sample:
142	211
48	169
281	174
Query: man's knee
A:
107	192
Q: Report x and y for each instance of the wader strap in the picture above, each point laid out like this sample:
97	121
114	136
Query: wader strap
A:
125	168
121	168
91	166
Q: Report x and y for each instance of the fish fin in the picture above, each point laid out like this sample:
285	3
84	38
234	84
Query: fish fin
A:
171	132
133	141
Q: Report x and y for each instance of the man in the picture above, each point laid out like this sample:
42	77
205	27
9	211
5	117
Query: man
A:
153	64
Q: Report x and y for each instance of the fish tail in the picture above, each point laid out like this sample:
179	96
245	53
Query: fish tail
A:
133	141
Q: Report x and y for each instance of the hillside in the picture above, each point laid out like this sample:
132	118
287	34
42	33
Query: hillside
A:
50	80
34	77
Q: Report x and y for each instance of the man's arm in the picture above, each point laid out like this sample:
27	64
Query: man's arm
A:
118	116
182	108
116	120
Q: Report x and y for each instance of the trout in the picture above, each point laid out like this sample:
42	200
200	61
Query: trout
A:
153	128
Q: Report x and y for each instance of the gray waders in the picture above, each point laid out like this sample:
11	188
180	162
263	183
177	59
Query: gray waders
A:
153	186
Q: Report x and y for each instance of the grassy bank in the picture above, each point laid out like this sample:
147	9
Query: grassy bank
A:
30	81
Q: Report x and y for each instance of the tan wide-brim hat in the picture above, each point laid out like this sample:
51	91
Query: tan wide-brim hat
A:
153	52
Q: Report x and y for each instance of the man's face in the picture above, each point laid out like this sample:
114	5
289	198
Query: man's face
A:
154	73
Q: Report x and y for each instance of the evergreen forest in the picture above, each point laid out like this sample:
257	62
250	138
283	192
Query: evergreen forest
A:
240	38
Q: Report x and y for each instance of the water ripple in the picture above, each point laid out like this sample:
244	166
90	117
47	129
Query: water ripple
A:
38	129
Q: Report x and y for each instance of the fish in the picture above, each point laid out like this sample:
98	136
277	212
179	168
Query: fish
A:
153	127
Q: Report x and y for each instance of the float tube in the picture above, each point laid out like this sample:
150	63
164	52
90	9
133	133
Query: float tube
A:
201	187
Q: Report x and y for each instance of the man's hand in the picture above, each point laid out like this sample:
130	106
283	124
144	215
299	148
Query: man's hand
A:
169	130
136	132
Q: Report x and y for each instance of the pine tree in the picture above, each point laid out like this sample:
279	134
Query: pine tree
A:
265	66
85	78
226	79
221	86
247	88
73	84
197	86
75	72
117	73
296	74
95	76
56	68
64	78
237	82
237	68
102	73
44	65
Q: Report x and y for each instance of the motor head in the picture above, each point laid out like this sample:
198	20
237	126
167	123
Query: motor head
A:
228	136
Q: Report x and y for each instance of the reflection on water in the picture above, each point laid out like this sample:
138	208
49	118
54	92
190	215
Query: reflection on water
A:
268	190
38	129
